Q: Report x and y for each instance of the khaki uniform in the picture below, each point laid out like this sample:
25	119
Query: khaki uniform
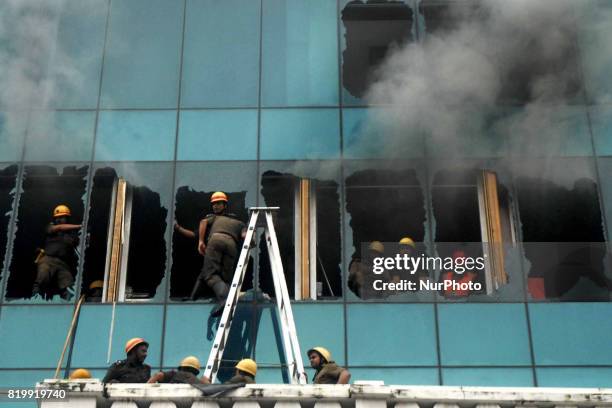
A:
328	374
239	379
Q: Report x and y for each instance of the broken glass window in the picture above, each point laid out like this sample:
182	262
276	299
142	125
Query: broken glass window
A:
8	181
43	188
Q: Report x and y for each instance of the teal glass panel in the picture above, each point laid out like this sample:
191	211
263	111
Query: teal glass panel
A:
483	334
488	377
21	347
594	29
367	133
300	60
218	135
269	339
221	54
12	134
550	131
292	134
400	334
589	377
136	136
141	65
571	333
92	336
74	65
20	379
329	333
60	136
601	121
396	376
270	376
193	339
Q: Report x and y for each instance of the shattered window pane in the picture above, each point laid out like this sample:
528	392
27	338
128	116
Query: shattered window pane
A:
146	217
371	29
44	188
562	228
8	181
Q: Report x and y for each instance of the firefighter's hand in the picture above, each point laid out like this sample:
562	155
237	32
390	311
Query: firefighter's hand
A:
201	248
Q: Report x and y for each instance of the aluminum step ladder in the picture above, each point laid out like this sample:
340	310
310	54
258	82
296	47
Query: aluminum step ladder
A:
293	356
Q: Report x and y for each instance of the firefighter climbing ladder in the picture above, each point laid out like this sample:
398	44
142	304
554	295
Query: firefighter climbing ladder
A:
293	356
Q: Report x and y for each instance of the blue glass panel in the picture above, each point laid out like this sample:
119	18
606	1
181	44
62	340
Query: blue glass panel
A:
574	377
483	334
21	348
557	131
92	335
136	135
270	376
75	65
594	32
365	135
396	376
181	339
60	136
221	54
488	377
23	378
12	134
571	333
329	332
601	121
141	65
269	343
300	45
291	134
218	135
400	334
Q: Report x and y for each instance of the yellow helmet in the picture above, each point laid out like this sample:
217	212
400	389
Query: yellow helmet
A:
407	241
97	284
376	246
61	211
190	361
79	373
322	350
248	366
131	343
218	196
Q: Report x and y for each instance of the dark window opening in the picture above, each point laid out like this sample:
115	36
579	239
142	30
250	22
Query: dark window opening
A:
8	181
384	206
372	28
281	190
564	240
444	16
146	221
44	187
191	207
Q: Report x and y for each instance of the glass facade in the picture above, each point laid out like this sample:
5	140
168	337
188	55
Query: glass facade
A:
253	97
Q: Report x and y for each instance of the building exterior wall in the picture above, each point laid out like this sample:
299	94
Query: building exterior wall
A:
210	95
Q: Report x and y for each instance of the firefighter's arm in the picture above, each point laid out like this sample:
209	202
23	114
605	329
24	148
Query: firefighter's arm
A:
202	234
344	377
64	227
204	380
183	231
155	378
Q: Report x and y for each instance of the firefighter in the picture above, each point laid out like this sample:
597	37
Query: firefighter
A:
220	250
80	374
186	373
54	274
361	278
327	371
246	369
132	369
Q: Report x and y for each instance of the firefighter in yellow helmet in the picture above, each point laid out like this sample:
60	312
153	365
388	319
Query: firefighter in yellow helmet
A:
245	372
132	369
80	374
56	262
361	277
327	371
186	373
225	231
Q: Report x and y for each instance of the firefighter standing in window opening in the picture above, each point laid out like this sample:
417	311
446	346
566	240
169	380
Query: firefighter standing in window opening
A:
461	278
220	250
361	277
58	257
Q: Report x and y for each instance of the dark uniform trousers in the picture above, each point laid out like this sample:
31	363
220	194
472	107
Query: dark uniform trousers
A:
220	256
328	374
123	371
52	270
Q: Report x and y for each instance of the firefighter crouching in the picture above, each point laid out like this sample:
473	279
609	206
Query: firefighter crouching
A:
53	262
